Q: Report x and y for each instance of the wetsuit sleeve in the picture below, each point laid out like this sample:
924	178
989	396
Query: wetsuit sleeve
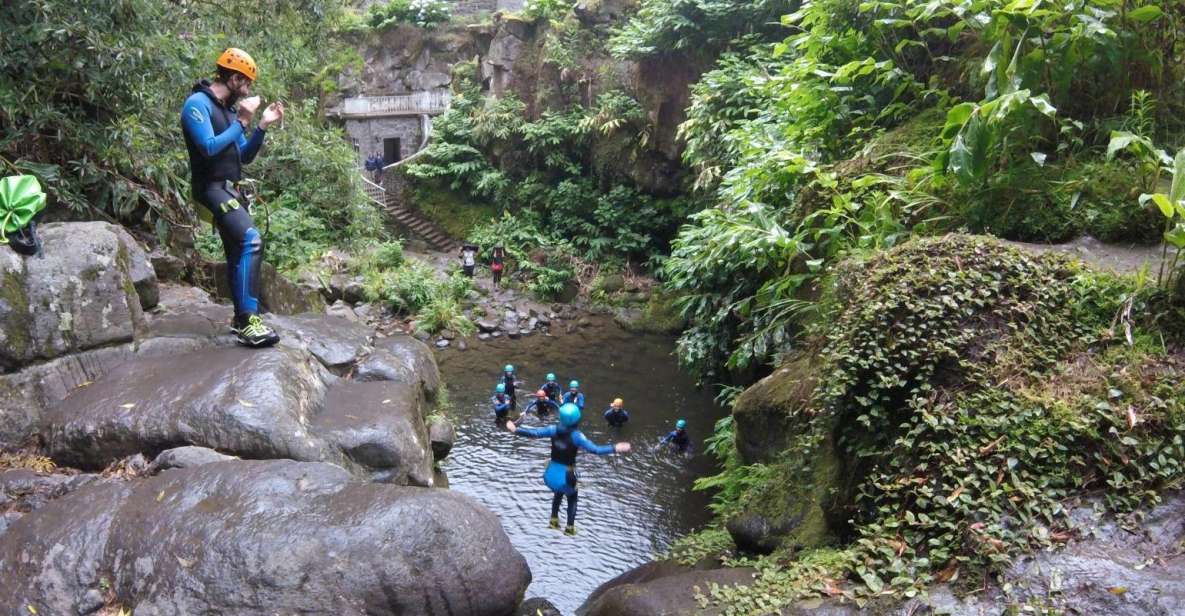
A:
547	432
606	413
589	446
195	119
248	148
668	438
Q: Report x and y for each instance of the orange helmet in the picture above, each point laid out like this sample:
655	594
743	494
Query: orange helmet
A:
617	402
236	59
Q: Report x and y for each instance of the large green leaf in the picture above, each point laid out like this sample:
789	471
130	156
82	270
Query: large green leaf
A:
968	153
1177	190
1145	13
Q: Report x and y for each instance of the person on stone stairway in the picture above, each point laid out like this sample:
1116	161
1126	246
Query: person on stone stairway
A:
542	406
510	382
615	415
678	438
552	387
214	121
573	395
502	402
560	475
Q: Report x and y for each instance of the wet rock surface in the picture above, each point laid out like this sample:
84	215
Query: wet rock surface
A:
261	537
186	457
660	588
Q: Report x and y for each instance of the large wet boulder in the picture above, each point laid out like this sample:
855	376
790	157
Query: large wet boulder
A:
250	403
80	295
186	457
257	404
661	588
403	359
248	537
378	426
335	341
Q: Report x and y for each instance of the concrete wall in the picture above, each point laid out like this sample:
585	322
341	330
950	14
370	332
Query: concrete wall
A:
472	7
369	133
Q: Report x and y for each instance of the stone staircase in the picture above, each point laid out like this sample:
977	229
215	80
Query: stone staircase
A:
410	219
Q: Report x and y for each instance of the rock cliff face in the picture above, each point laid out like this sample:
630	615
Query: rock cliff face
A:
280	494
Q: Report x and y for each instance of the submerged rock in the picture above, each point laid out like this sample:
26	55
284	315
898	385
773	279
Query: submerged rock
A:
262	537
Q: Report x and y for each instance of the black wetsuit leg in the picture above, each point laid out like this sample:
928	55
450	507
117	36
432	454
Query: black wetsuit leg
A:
555	504
571	508
241	243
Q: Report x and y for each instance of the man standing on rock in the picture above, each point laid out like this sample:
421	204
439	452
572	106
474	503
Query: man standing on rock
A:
214	121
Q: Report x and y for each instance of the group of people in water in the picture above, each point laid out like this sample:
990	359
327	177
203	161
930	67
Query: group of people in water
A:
566	437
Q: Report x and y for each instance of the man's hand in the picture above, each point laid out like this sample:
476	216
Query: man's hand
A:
273	113
510	426
247	107
622	448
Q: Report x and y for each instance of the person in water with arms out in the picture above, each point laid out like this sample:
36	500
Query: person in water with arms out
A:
678	438
541	405
214	121
560	475
573	395
615	415
502	402
552	387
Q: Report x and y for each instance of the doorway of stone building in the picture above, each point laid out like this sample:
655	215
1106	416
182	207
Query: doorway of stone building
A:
392	150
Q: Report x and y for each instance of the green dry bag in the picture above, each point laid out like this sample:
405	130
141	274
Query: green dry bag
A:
20	200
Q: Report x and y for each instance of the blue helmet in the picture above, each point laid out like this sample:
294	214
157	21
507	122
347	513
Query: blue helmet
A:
508	368
501	388
574	384
569	415
679	425
551	376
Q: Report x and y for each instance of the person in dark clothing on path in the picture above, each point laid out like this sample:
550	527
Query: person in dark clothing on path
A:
560	476
497	264
379	163
615	415
214	121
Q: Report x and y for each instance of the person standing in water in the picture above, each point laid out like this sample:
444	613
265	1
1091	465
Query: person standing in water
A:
678	438
510	382
553	389
573	395
615	415
560	475
502	402
541	405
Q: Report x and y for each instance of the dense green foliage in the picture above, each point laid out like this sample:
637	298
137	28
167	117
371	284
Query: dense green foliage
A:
90	95
973	391
998	117
697	27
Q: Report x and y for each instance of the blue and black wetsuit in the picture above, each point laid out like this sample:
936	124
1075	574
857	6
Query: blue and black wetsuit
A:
553	390
616	417
502	405
508	379
680	440
217	151
542	407
560	475
574	397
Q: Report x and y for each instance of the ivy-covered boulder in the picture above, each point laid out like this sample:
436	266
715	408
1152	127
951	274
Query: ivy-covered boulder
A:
966	391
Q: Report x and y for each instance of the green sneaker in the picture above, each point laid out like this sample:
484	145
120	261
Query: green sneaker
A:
570	530
554	523
254	333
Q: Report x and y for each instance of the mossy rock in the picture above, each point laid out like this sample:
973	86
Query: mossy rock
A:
658	316
805	503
